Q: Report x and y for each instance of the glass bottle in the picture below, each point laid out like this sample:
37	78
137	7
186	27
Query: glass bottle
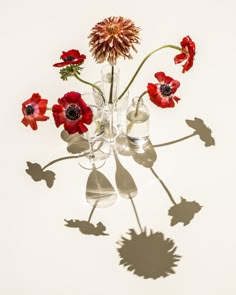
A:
137	122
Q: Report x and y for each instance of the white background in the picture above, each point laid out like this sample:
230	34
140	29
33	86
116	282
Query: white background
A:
38	254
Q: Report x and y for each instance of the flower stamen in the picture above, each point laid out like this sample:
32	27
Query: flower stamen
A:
165	90
29	110
69	58
73	112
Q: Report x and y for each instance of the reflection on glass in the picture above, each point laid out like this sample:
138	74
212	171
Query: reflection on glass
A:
95	159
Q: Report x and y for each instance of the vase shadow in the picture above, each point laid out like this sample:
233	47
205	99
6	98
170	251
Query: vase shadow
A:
99	190
125	183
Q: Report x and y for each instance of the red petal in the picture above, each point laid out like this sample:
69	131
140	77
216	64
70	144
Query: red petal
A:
31	121
62	64
70	126
81	127
58	114
176	98
25	121
87	117
35	98
180	58
168	80
41	118
42	106
174	85
152	89
160	76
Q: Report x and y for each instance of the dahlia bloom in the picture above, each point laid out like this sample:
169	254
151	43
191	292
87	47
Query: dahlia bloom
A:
73	112
162	93
113	37
71	57
33	110
189	52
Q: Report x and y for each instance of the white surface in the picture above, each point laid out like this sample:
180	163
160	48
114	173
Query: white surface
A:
38	254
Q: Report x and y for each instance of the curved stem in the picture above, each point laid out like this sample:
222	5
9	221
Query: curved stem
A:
89	83
58	160
142	63
138	102
164	186
175	141
136	214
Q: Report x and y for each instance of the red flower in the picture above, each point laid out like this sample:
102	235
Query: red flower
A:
189	46
161	94
71	57
33	110
73	112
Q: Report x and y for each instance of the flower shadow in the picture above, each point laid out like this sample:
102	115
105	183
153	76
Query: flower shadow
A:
184	212
148	255
87	227
201	130
76	144
37	174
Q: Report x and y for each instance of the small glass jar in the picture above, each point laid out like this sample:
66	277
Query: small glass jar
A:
137	122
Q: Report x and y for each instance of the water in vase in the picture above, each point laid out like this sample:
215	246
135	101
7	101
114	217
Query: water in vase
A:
138	128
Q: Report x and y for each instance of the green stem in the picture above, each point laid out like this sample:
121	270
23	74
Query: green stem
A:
89	83
49	108
138	102
142	63
111	86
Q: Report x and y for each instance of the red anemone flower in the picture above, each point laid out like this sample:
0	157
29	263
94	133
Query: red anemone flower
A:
71	57
33	110
73	112
161	94
189	47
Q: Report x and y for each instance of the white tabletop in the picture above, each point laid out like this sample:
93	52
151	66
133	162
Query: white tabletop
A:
110	254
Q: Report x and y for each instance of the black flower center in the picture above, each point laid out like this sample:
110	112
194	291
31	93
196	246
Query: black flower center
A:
165	90
29	110
69	58
73	112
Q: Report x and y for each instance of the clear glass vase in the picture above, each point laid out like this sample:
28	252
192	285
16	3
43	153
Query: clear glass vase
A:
115	109
137	122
